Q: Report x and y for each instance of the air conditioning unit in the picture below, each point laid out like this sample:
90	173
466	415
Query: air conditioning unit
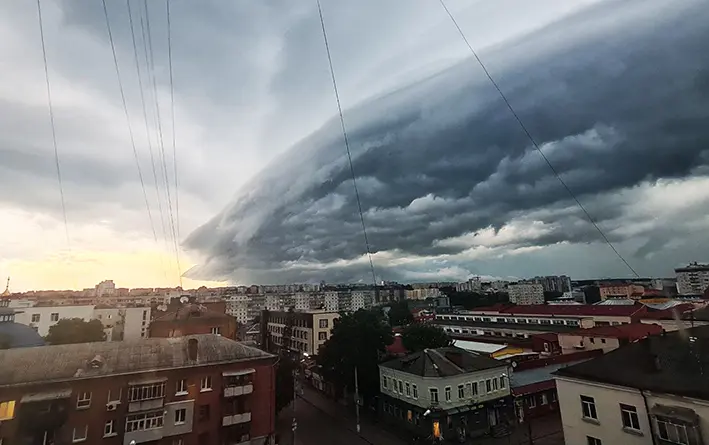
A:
111	406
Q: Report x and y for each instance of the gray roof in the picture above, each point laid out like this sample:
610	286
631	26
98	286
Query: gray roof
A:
510	326
443	362
71	362
536	375
19	335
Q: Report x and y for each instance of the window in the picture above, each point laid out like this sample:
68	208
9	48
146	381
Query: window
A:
146	392
180	416
532	401
502	382
323	324
7	410
178	441
54	316
671	430
544	399
83	400
117	398
408	389
203	412
416	391
181	387
217	330
35	318
401	387
448	393
603	340
488	385
206	383
434	394
494	384
461	392
588	407
144	421
593	441
80	434
469	389
145	315
322	335
384	382
629	414
592	340
109	429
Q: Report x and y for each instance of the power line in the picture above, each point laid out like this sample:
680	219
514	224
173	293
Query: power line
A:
125	110
347	146
534	143
51	119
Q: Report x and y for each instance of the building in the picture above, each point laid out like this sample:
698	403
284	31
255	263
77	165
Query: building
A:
201	389
445	392
41	318
692	279
606	338
622	290
124	323
193	319
526	293
652	392
554	283
105	288
309	330
422	293
361	299
15	335
491	350
238	307
472	285
332	299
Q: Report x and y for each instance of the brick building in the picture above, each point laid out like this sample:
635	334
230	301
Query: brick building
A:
193	319
195	390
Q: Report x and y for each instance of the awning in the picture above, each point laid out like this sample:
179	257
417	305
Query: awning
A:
44	396
239	372
147	381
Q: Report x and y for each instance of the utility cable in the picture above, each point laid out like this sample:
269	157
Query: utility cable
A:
347	147
534	143
130	127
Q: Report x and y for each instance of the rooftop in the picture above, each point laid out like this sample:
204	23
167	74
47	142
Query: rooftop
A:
476	346
576	310
511	326
191	311
521	379
631	332
443	362
674	363
75	362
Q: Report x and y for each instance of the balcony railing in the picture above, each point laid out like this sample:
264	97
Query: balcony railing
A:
233	391
236	419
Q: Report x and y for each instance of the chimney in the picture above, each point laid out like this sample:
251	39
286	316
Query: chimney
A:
192	345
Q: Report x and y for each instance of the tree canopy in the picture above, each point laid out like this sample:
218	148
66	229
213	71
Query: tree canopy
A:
357	340
75	330
284	382
399	314
419	336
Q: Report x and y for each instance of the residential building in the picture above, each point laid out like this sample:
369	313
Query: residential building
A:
446	392
105	288
422	293
124	323
332	299
361	299
41	318
309	330
526	293
301	301
201	390
238	307
692	279
193	319
554	283
605	338
621	290
472	285
651	392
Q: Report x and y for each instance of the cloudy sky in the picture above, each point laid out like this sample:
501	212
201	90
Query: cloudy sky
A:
615	92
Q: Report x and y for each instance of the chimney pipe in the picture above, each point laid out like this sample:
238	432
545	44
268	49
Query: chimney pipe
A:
192	344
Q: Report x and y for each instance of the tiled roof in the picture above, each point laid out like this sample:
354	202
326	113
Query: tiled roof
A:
575	310
633	331
71	362
443	362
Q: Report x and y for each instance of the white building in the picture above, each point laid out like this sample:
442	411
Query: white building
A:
647	393
302	301
331	301
128	323
238	307
423	293
106	288
361	299
41	318
692	279
526	293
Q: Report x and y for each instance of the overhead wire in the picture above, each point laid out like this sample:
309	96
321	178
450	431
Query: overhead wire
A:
51	121
128	122
347	145
536	145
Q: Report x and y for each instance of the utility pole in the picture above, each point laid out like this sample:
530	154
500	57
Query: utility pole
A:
356	398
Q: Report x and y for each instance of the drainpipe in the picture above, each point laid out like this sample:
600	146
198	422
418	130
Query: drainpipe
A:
649	419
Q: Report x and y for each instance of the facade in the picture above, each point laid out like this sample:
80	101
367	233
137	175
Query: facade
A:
194	390
332	301
692	279
238	307
423	293
554	283
526	293
193	319
309	330
105	288
361	299
632	291
465	394
127	323
41	318
606	338
650	392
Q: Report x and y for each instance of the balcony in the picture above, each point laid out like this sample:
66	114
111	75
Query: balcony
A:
233	391
145	405
236	419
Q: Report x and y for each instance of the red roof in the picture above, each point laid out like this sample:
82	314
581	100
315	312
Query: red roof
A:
670	313
397	346
576	310
547	336
631	332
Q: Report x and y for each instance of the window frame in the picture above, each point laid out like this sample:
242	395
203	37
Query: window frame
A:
415	391
181	387
447	391
205	383
75	439
109	428
83	402
629	413
590	440
676	427
180	417
431	392
461	391
8	412
588	405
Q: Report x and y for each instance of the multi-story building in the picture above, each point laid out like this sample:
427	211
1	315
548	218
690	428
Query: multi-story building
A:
193	319
692	279
301	301
472	285
238	307
446	392
361	299
621	290
554	283
606	338
309	330
105	288
195	390
41	318
125	323
652	392
423	293
332	300
526	293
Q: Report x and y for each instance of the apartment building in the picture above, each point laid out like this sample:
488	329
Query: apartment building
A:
193	319
41	318
446	392
606	338
194	390
526	293
127	323
692	279
238	307
651	392
309	330
623	290
332	300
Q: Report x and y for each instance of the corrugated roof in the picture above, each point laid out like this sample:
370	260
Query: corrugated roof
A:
71	362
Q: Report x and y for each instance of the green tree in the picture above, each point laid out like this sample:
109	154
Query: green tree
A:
399	314
420	336
357	340
284	382
75	330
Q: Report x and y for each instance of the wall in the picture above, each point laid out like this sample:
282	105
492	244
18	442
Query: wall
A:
45	313
568	343
674	325
136	323
330	317
193	325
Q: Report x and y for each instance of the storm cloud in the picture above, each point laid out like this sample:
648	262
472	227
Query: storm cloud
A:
616	96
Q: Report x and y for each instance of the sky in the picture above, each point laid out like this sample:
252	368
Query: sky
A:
613	92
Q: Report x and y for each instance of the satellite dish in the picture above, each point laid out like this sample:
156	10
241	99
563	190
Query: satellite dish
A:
184	300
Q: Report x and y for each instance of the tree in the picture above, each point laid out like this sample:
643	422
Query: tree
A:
75	330
419	336
284	382
357	340
399	314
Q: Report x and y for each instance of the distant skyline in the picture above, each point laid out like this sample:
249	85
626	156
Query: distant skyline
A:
450	188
